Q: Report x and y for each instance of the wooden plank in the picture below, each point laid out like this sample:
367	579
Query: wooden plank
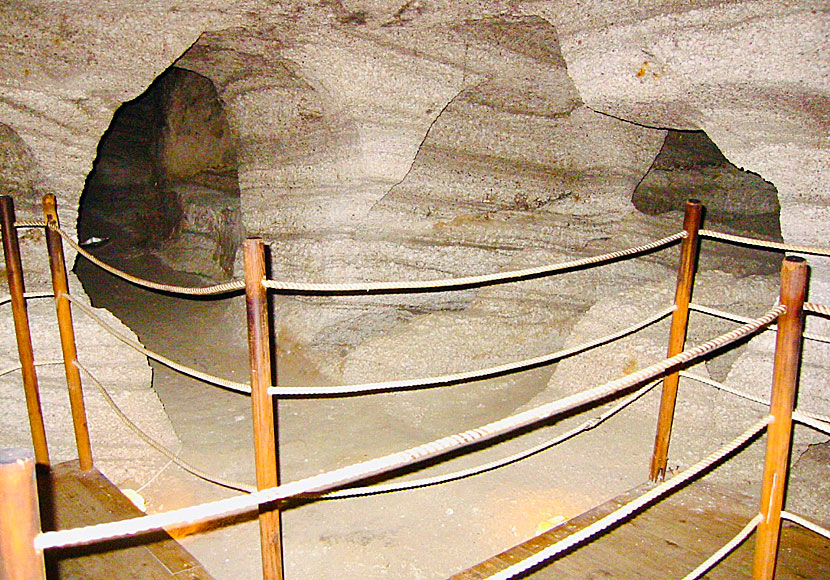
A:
668	540
71	497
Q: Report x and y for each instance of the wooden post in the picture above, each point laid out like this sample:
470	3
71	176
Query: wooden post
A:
60	284
19	517
14	272
677	335
265	437
779	432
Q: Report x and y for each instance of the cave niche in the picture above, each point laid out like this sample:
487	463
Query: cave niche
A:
690	165
165	180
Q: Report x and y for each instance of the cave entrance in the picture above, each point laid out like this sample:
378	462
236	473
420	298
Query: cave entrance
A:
164	184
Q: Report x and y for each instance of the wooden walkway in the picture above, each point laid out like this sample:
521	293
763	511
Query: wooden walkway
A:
70	498
667	541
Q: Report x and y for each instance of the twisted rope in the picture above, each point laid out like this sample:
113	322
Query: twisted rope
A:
727	549
468	281
29	224
349	474
492	465
819	423
722	387
197	374
213	290
155	444
739	318
764	243
817	308
813	527
805	417
632	507
467	376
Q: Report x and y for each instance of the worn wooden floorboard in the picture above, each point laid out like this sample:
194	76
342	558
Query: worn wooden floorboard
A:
667	541
71	498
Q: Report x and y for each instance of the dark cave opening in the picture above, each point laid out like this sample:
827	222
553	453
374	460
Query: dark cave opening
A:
165	179
690	165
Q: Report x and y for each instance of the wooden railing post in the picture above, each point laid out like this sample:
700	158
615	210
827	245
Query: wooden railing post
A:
677	335
60	284
264	408
19	517
14	272
779	433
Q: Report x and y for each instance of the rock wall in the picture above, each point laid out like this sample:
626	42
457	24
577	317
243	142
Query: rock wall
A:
383	140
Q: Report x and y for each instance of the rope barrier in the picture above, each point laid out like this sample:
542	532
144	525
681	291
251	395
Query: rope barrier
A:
29	224
468	281
727	549
817	308
632	507
763	243
213	290
817	424
492	465
812	526
805	417
6	298
155	444
349	474
722	387
202	376
467	376
738	318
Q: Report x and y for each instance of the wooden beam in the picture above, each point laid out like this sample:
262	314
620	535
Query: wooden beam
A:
779	433
263	406
60	284
14	273
677	335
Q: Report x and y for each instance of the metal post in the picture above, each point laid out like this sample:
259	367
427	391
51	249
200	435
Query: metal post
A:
19	517
779	432
677	335
14	272
264	408
57	263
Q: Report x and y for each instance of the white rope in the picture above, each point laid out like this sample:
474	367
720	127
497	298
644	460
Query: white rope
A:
630	508
213	290
155	444
479	469
805	417
739	318
469	281
817	308
812	526
727	549
467	376
27	295
202	376
764	243
349	474
723	387
817	424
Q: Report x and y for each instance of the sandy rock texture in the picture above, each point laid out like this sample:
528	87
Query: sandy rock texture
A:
423	139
